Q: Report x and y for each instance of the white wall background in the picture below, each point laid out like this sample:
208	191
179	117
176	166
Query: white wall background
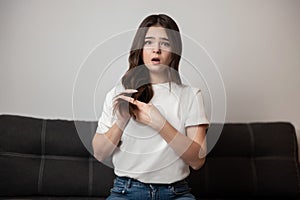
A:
255	44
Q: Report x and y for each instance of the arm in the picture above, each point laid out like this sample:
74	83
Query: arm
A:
104	144
191	148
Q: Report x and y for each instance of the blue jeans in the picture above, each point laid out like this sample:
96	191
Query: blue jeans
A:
128	188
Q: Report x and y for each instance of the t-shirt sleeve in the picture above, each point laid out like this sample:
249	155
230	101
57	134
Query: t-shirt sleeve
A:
106	119
196	113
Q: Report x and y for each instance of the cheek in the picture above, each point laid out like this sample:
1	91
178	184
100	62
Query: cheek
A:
146	56
169	58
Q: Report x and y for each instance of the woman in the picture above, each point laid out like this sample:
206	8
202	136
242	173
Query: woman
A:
153	126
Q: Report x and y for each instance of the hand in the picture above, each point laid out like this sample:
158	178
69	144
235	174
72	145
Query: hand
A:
146	113
122	113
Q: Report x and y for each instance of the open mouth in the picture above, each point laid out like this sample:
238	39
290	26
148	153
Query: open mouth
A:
155	61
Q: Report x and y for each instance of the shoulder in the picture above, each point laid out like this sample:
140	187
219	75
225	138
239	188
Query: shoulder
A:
114	91
190	90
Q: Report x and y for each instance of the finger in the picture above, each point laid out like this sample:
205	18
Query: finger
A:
130	91
129	99
127	91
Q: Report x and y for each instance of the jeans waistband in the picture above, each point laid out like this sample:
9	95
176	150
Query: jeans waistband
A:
132	180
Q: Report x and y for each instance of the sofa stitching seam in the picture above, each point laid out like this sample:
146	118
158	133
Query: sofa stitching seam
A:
90	176
50	157
42	164
252	158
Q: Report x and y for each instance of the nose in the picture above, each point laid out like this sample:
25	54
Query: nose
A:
156	48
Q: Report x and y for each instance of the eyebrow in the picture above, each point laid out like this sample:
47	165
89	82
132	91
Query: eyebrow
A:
162	38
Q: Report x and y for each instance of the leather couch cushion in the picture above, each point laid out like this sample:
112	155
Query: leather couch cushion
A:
45	158
251	160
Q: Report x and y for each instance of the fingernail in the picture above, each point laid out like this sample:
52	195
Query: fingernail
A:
131	90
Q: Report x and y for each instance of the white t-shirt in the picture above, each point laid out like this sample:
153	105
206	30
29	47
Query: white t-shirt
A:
143	154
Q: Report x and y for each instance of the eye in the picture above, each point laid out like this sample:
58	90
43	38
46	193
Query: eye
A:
148	42
165	44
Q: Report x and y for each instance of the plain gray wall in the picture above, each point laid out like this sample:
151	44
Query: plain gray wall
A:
255	45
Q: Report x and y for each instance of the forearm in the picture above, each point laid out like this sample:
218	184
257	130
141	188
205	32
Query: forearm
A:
190	151
105	144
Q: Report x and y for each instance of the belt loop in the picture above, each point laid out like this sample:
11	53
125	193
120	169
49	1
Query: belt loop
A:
152	187
129	183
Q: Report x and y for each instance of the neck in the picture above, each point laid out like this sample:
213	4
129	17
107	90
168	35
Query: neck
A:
158	78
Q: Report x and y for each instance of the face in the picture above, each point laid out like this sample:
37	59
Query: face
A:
157	49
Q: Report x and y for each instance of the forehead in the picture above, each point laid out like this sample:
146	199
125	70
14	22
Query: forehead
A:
156	32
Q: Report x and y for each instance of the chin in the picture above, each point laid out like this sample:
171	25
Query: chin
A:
157	68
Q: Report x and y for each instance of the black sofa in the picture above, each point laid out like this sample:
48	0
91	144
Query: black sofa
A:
45	159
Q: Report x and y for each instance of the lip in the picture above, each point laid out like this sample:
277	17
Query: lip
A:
155	61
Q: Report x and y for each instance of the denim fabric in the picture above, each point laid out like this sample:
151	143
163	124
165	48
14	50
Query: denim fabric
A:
127	188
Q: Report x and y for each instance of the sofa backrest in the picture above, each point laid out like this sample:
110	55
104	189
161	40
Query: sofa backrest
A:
46	157
251	160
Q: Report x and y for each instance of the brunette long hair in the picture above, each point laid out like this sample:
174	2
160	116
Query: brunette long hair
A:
137	76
